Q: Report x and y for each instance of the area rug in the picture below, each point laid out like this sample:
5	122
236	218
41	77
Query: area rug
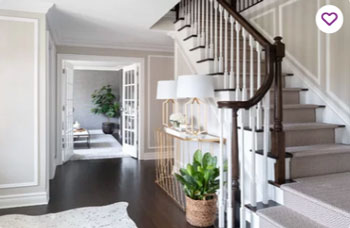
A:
111	216
102	147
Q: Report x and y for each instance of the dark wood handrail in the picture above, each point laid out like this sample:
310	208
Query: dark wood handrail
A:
270	56
244	23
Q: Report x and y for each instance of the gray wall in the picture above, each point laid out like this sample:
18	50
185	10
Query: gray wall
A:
85	83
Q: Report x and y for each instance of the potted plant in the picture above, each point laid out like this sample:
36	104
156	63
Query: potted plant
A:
200	183
106	104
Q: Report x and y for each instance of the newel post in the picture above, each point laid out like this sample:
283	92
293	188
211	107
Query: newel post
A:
278	134
235	166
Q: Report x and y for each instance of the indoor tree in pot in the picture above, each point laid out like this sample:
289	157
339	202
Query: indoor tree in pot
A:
106	104
200	181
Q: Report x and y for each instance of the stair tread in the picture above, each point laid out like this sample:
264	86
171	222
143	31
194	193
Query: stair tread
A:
283	89
308	126
301	106
282	216
328	191
315	150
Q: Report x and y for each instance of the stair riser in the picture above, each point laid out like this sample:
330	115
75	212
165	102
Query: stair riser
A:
289	97
322	215
310	137
266	224
219	82
321	165
297	115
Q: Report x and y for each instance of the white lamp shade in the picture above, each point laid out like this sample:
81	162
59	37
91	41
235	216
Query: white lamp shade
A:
195	86
166	90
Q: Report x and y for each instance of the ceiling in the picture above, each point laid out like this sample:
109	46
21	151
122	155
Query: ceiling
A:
104	23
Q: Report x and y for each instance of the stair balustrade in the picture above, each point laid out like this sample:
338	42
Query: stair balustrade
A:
251	66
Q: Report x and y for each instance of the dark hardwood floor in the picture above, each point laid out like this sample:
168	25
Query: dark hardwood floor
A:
102	182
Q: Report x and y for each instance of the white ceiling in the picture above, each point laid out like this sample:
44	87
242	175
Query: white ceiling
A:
104	23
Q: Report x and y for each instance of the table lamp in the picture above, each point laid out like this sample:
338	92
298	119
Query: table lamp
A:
197	88
166	90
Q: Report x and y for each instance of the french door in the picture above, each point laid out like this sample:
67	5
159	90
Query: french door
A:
67	112
130	109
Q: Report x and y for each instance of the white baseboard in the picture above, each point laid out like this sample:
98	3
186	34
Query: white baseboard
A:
148	156
24	200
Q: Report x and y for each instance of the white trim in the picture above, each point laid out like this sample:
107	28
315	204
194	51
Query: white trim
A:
23	200
36	85
130	46
264	13
96	68
25	6
62	57
335	98
150	134
149	156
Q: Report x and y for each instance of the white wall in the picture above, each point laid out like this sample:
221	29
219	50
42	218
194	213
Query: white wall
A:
23	118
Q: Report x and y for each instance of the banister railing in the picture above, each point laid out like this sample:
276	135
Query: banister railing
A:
242	5
251	66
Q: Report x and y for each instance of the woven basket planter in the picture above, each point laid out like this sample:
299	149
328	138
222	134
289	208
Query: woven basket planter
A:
201	213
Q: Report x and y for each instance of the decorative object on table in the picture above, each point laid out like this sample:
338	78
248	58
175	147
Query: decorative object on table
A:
76	125
106	104
200	181
115	215
197	88
82	133
166	90
177	119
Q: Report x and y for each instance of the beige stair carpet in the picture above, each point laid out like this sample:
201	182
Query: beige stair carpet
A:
322	198
283	217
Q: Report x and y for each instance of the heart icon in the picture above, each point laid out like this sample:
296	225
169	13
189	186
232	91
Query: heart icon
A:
329	18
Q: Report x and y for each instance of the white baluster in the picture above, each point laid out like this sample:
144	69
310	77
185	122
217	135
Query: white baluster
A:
221	66
242	169
232	73
251	87
252	121
266	146
203	23
211	8
226	50
259	108
253	164
207	31
230	221
216	56
222	180
199	22
238	51
188	21
194	29
244	65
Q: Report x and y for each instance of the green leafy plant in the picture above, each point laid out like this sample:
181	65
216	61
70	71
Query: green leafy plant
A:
200	179
105	103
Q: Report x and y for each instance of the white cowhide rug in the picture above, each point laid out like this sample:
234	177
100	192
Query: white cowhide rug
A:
111	216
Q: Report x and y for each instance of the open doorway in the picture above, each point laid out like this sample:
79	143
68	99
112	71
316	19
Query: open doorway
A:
99	108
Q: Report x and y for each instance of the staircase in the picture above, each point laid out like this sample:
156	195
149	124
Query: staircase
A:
278	152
